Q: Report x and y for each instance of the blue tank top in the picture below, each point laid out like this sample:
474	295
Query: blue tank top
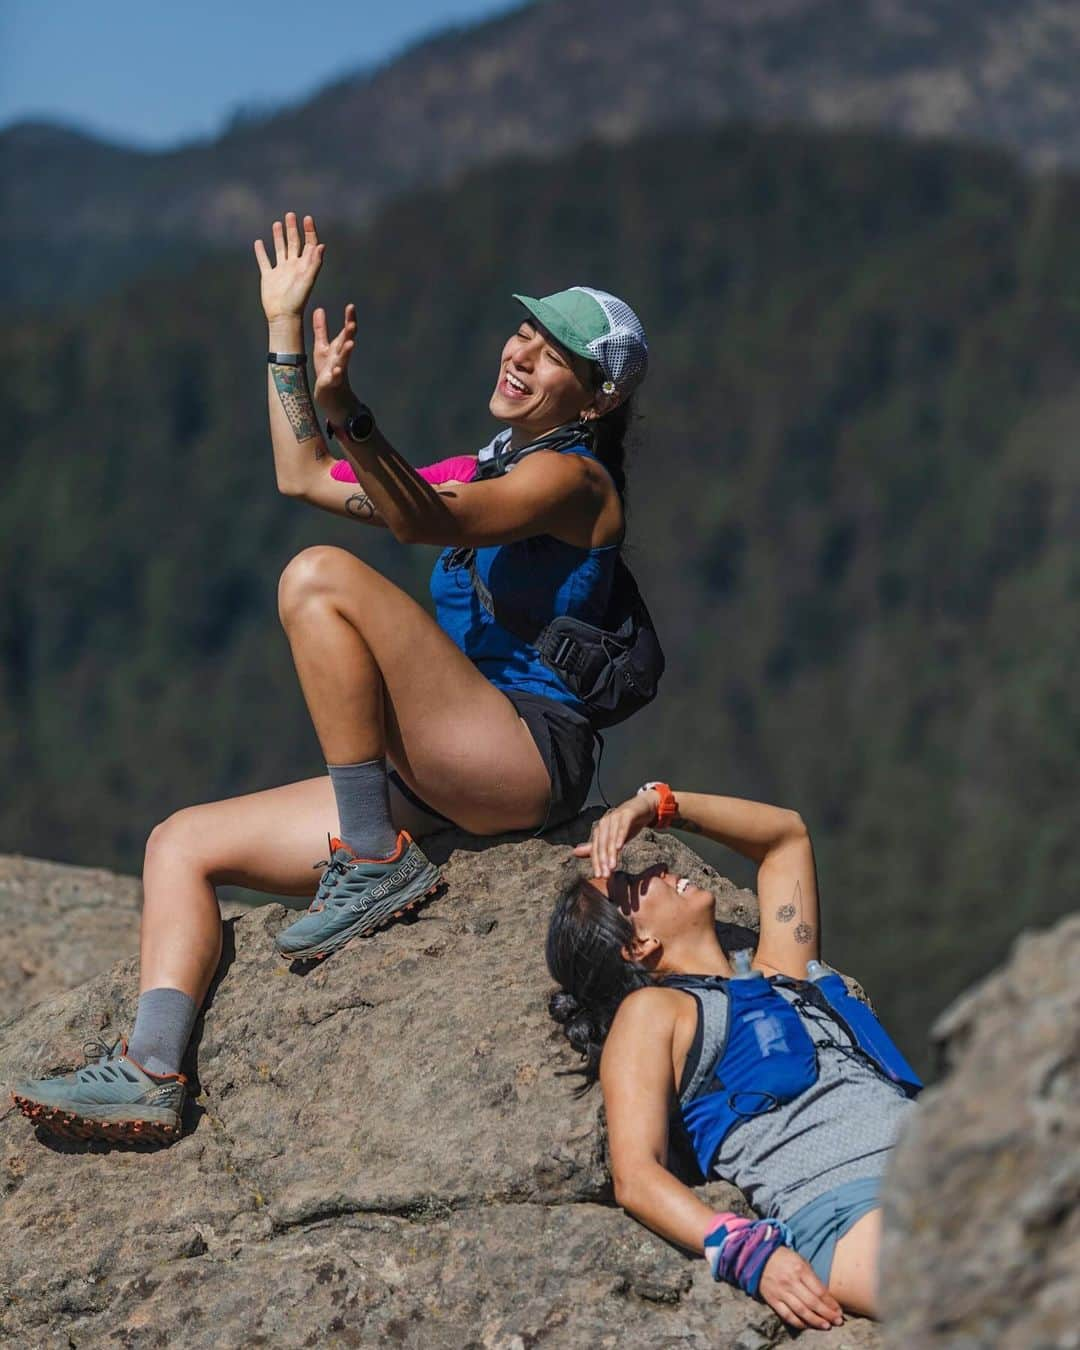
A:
544	578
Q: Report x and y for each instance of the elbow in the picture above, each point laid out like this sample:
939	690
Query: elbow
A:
289	488
626	1191
791	834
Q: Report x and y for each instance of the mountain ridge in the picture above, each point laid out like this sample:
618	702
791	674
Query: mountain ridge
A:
538	80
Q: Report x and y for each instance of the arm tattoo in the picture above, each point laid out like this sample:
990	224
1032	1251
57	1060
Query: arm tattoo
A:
360	505
804	932
291	385
681	823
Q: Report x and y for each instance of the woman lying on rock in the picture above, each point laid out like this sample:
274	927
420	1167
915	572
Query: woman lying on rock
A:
784	1084
481	730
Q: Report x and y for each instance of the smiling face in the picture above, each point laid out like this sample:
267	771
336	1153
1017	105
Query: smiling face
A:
541	384
666	911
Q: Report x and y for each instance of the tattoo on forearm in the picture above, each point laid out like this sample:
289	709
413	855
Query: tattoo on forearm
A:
291	385
803	932
360	505
681	823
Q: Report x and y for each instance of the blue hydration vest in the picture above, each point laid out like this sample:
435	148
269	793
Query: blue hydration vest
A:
546	577
768	1058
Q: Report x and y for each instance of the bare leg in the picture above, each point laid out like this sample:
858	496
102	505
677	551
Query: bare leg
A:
853	1280
381	677
267	841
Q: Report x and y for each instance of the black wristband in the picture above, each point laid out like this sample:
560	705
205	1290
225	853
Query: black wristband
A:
286	358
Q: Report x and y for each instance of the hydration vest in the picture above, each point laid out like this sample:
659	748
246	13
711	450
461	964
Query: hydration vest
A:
613	669
768	1058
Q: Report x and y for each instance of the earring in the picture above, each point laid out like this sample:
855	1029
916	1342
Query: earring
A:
608	387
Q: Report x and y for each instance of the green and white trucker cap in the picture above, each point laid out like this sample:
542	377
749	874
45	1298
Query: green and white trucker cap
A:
598	326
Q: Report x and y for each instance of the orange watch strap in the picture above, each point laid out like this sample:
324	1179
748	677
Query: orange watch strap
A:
667	808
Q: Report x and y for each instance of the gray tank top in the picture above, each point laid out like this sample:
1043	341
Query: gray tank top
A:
841	1129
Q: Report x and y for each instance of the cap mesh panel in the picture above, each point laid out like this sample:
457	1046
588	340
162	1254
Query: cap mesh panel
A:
622	353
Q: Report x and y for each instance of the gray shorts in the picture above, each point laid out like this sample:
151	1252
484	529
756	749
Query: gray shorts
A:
820	1225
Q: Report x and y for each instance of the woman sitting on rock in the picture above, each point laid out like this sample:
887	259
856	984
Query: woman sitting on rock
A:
479	729
783	1083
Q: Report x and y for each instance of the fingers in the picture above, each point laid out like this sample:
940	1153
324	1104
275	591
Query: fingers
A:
292	234
790	1316
318	327
311	235
807	1315
279	242
800	1305
818	1299
260	256
583	850
607	843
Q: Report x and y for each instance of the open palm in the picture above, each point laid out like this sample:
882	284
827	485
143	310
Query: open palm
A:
331	357
286	284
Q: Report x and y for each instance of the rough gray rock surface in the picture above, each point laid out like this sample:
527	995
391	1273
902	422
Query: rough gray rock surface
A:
62	925
385	1150
982	1245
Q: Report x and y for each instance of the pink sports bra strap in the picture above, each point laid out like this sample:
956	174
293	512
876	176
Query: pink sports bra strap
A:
457	468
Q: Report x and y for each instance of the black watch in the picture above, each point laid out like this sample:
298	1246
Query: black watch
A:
358	426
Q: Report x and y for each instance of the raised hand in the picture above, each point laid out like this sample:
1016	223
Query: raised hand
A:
614	829
331	357
792	1290
286	284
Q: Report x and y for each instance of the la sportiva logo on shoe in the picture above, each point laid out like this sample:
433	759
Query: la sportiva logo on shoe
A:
408	869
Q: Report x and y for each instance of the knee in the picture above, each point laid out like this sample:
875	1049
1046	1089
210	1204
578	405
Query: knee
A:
314	574
176	840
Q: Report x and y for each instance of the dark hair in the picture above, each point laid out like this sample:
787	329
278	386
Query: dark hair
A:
585	939
609	442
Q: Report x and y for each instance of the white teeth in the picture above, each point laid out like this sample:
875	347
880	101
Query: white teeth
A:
515	383
682	885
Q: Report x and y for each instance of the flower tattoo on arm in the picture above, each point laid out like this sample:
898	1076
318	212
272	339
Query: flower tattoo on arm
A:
803	932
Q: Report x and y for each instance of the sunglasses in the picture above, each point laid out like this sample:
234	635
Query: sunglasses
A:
626	889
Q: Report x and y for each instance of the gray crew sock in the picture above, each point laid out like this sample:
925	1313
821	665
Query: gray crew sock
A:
162	1030
362	794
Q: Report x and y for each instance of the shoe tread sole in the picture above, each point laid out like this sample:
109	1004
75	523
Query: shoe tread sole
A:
72	1125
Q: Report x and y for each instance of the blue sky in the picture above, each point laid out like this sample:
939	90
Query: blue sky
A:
152	73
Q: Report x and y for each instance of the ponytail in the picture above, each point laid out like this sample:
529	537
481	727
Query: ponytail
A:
609	442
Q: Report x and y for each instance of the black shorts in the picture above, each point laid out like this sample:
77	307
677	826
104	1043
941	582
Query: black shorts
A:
565	741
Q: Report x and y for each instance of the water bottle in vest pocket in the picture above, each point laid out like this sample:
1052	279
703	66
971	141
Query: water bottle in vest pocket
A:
865	1029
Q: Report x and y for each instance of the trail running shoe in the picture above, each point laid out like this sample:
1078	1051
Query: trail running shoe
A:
111	1098
357	895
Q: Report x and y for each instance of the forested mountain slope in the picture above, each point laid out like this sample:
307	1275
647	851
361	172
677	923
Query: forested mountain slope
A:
537	81
855	500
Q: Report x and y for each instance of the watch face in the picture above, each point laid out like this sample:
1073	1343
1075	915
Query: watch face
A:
360	424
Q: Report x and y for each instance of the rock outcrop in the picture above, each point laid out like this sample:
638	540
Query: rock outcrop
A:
62	926
384	1149
982	1203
